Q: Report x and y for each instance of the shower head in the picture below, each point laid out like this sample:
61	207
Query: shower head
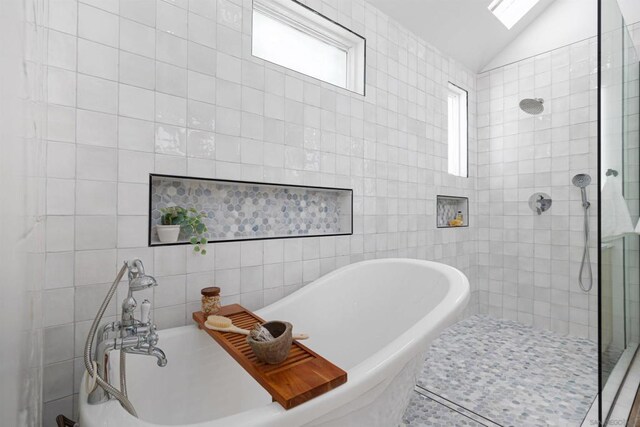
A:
138	280
532	106
142	282
581	180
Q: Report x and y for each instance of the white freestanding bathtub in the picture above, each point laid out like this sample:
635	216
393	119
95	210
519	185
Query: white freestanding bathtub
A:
375	319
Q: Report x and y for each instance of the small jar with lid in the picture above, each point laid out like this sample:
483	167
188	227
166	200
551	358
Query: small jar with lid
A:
210	300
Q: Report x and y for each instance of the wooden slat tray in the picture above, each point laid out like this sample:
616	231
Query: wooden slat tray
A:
301	377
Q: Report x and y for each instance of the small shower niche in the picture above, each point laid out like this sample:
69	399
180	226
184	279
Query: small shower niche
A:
239	210
447	209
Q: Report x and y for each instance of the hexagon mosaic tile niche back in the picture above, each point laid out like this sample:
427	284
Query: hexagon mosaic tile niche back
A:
246	211
448	207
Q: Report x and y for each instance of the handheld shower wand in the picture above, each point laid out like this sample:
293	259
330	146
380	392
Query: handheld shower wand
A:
582	181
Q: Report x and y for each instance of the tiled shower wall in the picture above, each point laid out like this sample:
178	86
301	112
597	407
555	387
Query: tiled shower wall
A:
529	264
171	87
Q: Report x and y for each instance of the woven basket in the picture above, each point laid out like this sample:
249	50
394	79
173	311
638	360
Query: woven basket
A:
277	350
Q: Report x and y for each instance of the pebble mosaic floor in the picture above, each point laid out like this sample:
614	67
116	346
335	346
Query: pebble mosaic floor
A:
500	372
423	411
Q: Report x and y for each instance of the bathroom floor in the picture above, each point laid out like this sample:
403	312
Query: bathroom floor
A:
486	371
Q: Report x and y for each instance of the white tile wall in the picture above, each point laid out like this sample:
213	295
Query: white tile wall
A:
23	121
171	87
529	264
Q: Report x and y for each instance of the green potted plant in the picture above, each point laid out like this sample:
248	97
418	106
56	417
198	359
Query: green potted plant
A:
175	218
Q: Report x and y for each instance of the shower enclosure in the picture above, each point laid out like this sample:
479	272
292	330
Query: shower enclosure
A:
618	181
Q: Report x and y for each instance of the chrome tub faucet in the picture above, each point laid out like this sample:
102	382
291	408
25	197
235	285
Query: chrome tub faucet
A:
129	335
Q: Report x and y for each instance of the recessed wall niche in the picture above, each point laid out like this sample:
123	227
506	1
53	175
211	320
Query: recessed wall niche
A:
447	209
240	210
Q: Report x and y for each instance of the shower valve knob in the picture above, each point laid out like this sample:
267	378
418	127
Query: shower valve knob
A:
540	202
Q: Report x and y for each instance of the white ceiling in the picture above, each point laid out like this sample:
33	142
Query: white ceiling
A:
630	10
464	29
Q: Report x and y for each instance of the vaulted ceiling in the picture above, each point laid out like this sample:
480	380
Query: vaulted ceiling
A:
464	29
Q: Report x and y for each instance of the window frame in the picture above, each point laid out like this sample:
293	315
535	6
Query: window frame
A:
309	21
462	131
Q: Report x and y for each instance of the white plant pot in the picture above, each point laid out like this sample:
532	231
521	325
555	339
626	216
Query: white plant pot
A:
168	233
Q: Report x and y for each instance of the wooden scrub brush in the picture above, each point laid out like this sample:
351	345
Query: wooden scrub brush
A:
258	333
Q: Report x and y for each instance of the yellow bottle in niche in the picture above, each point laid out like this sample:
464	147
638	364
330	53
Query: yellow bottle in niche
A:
457	221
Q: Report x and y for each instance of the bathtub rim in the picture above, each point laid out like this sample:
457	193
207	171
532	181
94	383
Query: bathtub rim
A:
366	375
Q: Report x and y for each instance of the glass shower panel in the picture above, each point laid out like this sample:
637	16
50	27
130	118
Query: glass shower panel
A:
619	174
631	143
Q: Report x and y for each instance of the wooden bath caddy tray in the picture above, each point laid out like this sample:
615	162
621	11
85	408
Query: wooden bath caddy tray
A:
301	377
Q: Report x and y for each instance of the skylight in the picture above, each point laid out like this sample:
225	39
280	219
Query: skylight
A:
509	12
